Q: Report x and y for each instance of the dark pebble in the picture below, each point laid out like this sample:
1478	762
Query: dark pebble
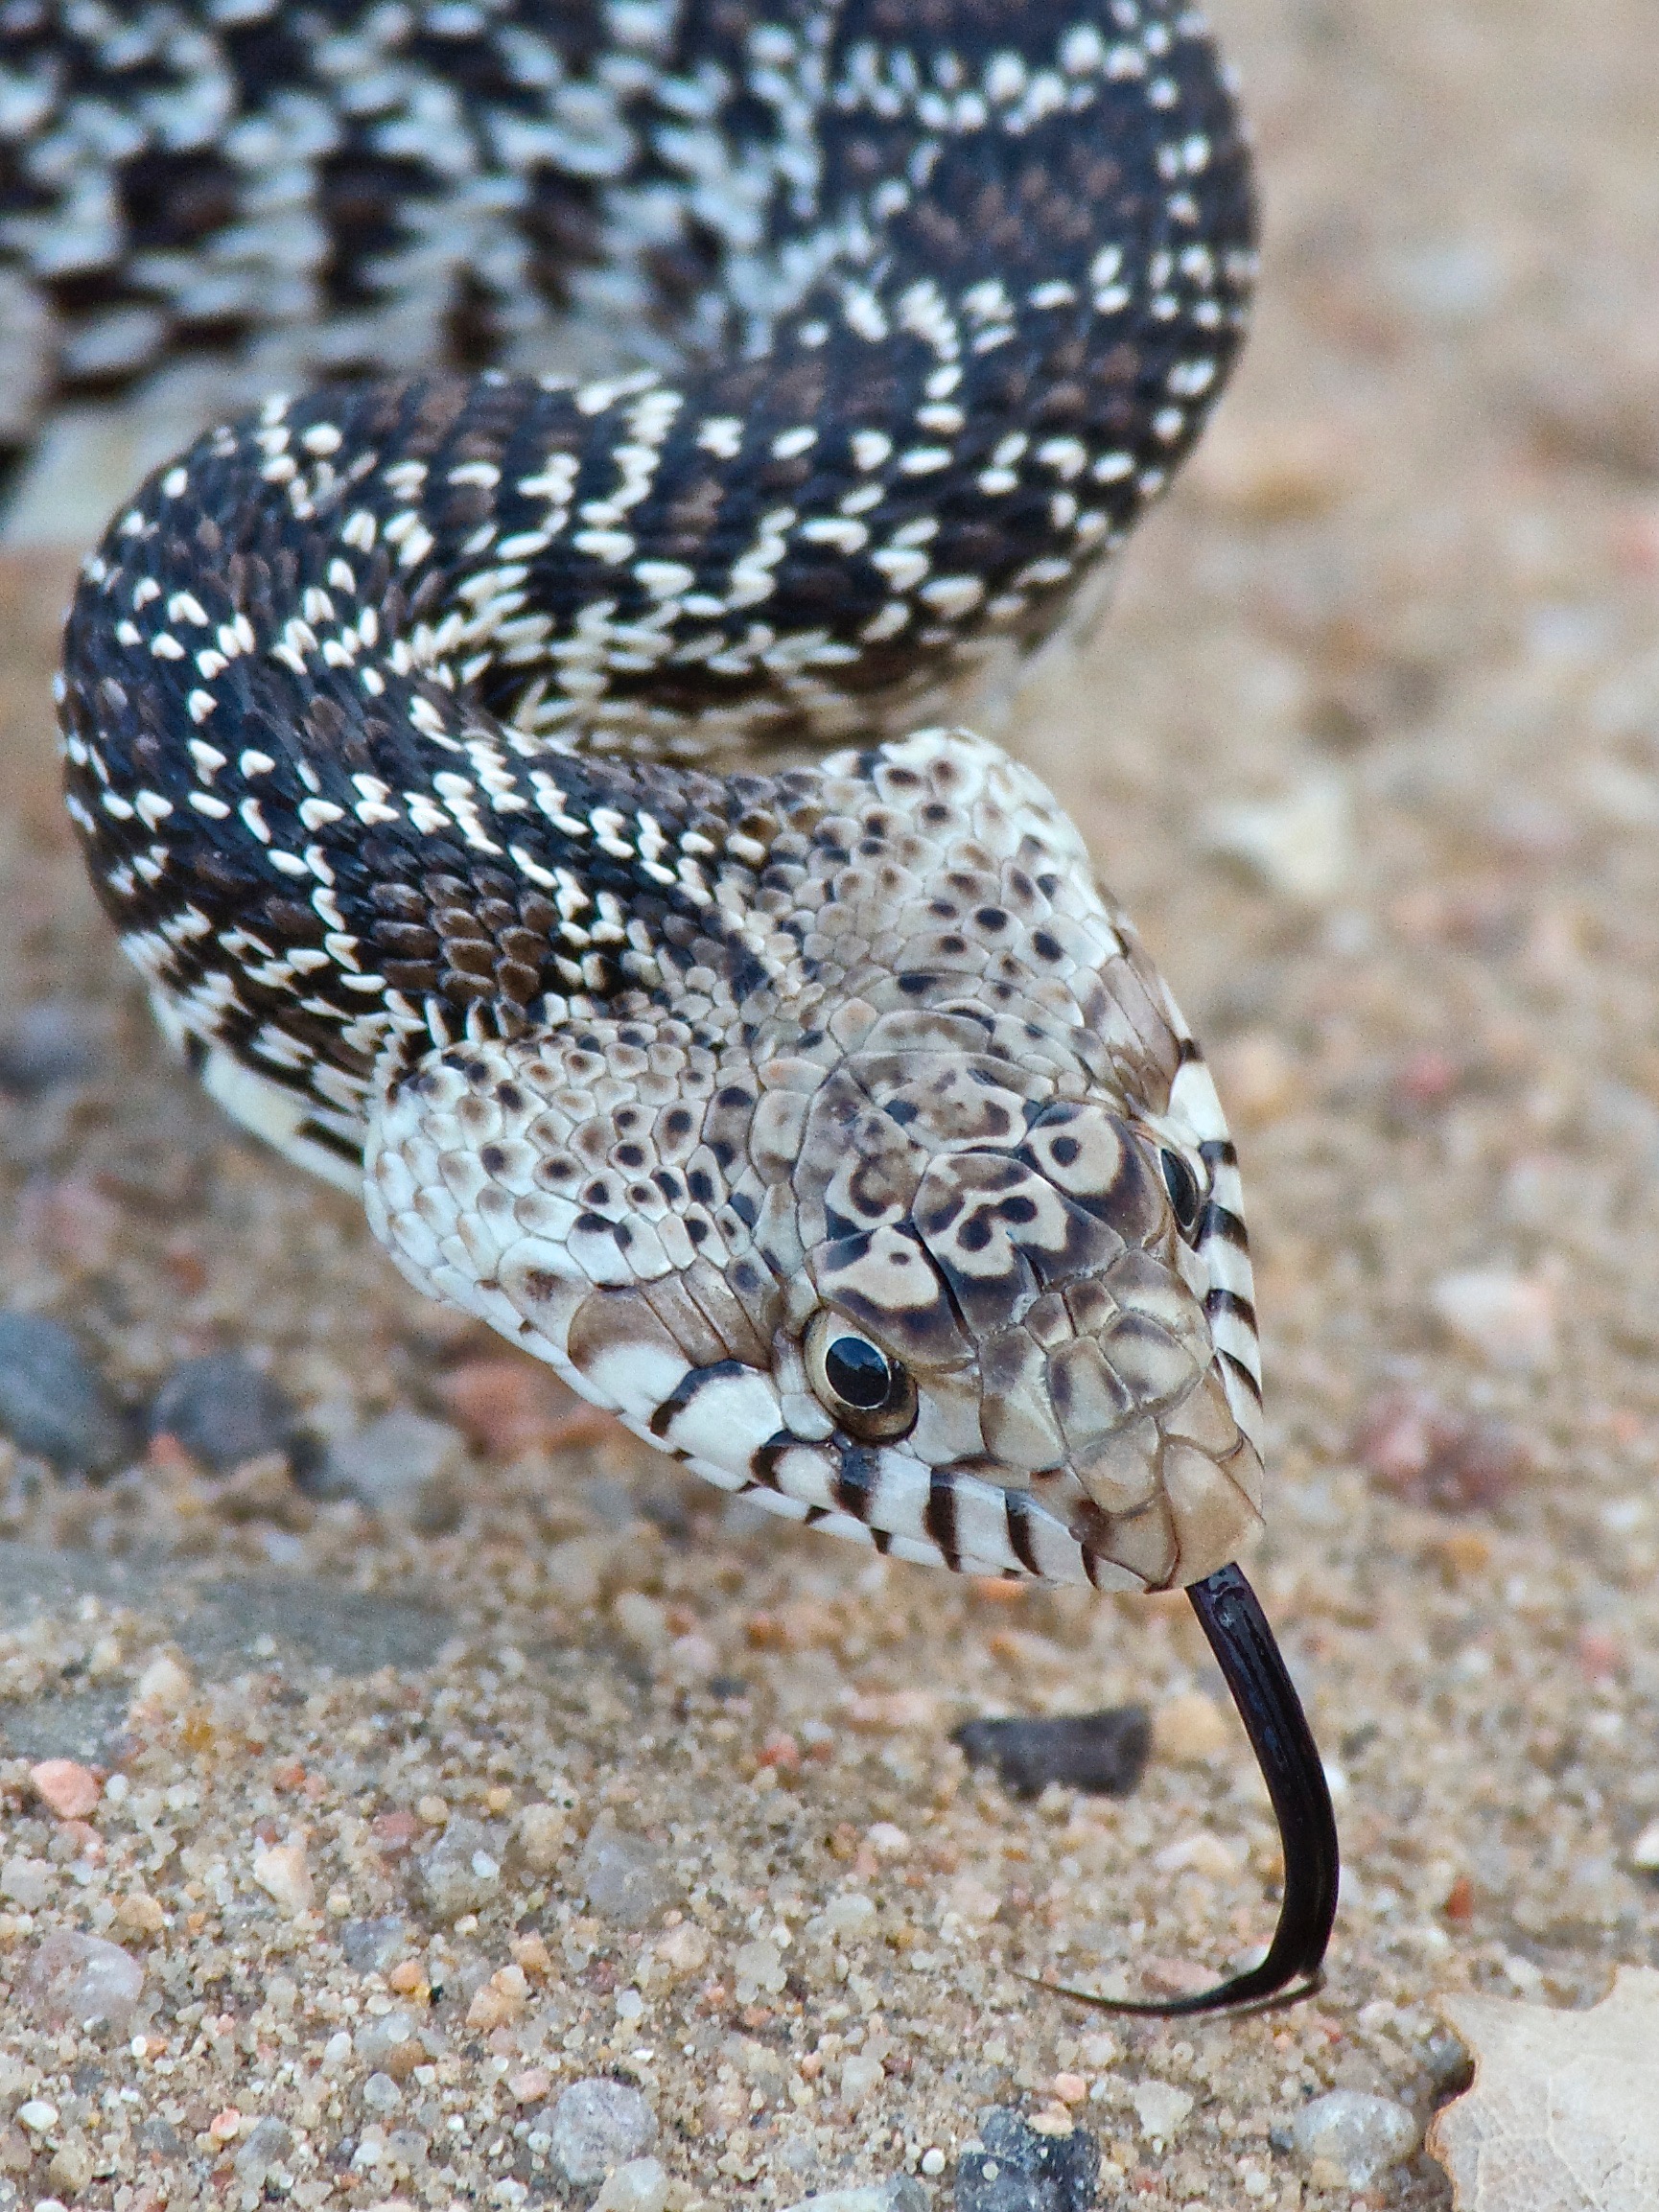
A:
373	1946
53	1042
51	1401
1020	2171
223	1411
1102	1753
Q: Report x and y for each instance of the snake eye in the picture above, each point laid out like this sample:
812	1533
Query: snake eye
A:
868	1392
1182	1185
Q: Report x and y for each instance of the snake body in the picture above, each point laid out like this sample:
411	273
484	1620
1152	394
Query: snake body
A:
427	734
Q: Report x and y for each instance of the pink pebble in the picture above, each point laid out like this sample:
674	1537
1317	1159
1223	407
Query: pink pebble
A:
70	1790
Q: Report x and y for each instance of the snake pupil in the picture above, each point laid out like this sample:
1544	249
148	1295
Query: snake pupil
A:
858	1374
1182	1185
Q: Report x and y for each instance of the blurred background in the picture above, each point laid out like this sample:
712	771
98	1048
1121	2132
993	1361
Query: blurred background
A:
1368	740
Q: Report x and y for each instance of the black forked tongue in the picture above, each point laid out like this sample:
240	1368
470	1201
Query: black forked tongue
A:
1290	1763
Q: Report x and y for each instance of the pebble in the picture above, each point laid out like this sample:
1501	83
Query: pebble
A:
1645	1850
1019	2170
899	2195
1102	1753
402	1466
373	1946
282	1873
26	1882
1430	1455
1301	846
53	1041
598	2125
1161	2108
1189	1729
861	2075
68	1789
385	2034
542	1830
382	2094
164	1686
460	1871
641	2185
1348	2137
504	1406
1508	1319
51	1401
223	1411
621	1875
262	2150
74	1979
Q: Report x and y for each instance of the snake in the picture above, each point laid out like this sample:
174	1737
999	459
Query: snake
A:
532	797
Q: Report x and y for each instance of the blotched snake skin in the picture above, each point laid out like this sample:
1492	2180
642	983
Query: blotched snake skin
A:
449	751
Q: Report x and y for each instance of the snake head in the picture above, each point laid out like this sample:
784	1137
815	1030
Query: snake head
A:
931	1238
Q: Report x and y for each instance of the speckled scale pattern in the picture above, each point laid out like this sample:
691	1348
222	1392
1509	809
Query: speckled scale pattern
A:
418	732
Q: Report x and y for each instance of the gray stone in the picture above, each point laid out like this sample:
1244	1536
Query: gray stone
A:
1017	2170
373	1946
382	2094
51	1401
642	2185
899	2195
54	1041
1102	1753
596	2126
74	1979
1354	2134
461	1872
223	1411
260	2150
621	1875
402	1466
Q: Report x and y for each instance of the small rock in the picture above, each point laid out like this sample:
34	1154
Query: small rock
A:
760	1971
1508	1319
598	2125
39	2115
1301	846
642	2185
384	2034
1101	1752
164	1687
1189	1729
1348	2137
1204	1854
382	2094
51	1401
404	1467
282	1873
70	2168
861	2074
53	1041
899	2195
74	1979
1429	1455
370	1946
260	2150
26	1882
1019	2170
223	1411
506	1406
621	1875
71	1791
1645	1850
460	1871
1161	2108
542	1830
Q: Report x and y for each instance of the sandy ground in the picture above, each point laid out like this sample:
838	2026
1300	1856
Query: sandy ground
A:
1369	744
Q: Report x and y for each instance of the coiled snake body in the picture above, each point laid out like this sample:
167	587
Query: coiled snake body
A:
426	737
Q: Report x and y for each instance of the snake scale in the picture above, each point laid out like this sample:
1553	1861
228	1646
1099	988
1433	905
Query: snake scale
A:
449	744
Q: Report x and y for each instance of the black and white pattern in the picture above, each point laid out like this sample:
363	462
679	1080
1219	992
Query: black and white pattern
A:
422	732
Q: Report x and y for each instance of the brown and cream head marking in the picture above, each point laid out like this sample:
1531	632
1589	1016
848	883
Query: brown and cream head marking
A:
916	1216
